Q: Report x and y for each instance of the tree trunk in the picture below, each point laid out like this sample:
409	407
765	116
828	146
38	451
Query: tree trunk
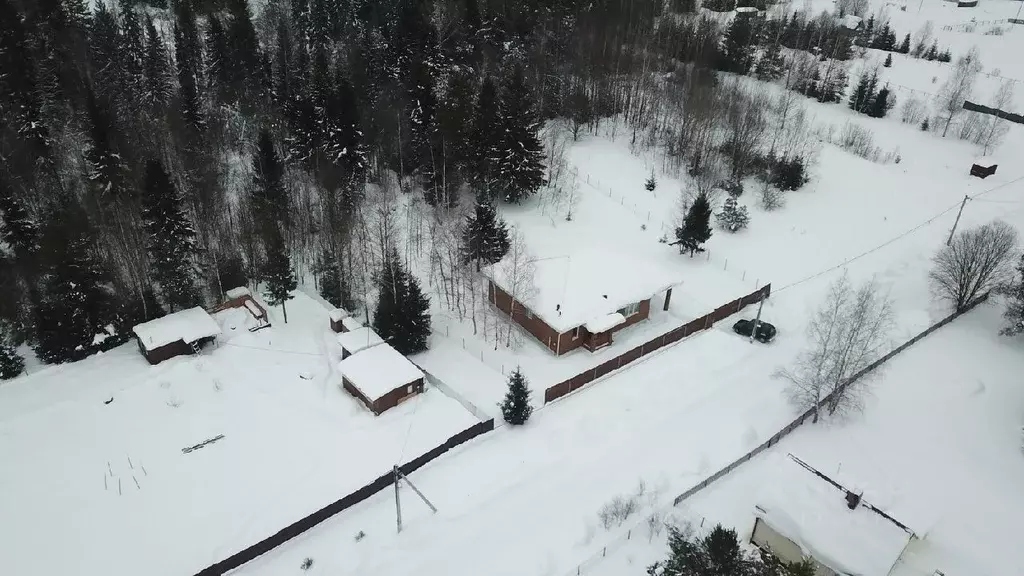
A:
284	310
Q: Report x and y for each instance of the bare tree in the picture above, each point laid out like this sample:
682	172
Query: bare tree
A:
745	125
976	261
912	111
517	270
847	333
958	86
992	128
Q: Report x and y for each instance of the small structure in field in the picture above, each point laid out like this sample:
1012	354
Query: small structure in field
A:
380	377
805	514
176	334
983	168
241	298
359	339
342	321
581	301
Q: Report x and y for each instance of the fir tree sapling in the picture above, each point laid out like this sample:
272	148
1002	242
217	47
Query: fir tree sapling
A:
278	275
651	183
888	61
733	217
904	47
11	364
516	408
696	227
485	238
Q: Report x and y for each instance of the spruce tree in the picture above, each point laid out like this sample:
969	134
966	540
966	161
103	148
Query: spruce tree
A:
651	182
17	227
696	227
733	216
268	194
455	124
737	53
218	59
76	302
106	169
278	274
11	364
416	315
104	50
158	85
485	137
882	104
771	65
243	51
486	236
171	239
516	408
131	42
518	166
402	314
904	47
888	61
188	58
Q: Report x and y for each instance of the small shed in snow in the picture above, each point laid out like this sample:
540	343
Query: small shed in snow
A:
176	334
342	321
356	340
380	377
241	298
983	168
803	514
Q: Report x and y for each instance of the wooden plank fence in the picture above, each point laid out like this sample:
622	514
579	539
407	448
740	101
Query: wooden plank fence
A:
305	524
671	337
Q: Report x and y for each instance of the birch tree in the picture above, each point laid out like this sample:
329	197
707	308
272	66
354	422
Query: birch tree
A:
958	86
976	261
517	269
846	334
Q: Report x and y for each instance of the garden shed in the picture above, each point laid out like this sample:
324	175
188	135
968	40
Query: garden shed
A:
380	377
175	334
361	338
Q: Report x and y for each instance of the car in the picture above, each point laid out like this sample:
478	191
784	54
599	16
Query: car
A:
765	331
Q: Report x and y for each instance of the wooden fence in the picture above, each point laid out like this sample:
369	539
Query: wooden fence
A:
345	502
675	335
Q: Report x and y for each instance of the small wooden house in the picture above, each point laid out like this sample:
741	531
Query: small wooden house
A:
380	377
983	168
241	298
356	340
342	321
176	334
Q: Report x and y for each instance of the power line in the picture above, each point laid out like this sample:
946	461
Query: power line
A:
904	234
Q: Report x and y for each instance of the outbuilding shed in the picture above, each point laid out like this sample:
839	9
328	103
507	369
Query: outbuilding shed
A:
176	334
359	339
380	377
342	321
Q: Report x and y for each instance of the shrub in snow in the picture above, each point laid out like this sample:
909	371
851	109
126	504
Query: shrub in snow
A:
733	187
789	174
717	553
651	183
616	511
11	364
733	216
306	564
360	535
516	409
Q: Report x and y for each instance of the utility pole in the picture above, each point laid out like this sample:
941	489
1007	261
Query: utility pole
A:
958	214
398	502
757	320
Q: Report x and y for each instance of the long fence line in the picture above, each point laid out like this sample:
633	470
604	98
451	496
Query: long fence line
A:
345	502
785	431
675	335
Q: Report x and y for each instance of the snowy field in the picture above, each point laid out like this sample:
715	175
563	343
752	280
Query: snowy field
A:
96	488
937	447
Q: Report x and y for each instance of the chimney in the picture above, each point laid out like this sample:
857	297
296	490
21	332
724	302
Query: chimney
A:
852	500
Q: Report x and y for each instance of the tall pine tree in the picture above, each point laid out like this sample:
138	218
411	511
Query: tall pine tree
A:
11	364
402	314
485	138
278	274
189	58
158	86
485	239
518	166
244	72
696	227
738	46
268	194
171	239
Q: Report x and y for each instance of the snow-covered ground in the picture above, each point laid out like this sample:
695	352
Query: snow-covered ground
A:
90	487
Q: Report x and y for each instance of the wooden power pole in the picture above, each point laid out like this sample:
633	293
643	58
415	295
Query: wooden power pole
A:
757	319
955	223
398	501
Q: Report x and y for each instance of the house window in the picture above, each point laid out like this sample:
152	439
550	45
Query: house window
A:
528	314
575	332
409	390
630	310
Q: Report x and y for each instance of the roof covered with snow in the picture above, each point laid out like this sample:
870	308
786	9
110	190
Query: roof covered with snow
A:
351	323
813	513
587	287
337	315
850	21
187	325
237	292
604	323
359	339
378	370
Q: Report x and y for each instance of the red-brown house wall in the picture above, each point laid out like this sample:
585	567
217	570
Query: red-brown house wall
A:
389	400
546	334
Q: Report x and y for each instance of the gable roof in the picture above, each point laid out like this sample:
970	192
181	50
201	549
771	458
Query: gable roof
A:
814	514
358	339
571	291
187	325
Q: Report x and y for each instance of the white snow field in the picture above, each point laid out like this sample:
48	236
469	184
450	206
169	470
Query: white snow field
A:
94	488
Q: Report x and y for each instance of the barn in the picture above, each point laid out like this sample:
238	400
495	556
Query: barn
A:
356	340
380	377
175	334
803	514
580	302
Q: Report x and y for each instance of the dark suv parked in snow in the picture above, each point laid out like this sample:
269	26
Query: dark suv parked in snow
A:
765	331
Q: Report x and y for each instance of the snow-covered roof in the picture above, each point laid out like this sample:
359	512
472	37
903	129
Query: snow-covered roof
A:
337	315
588	286
350	323
187	325
604	323
746	10
814	514
359	339
378	370
237	292
851	21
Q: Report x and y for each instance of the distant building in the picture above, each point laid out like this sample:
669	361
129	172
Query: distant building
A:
581	301
242	298
176	334
380	377
356	340
342	321
806	515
